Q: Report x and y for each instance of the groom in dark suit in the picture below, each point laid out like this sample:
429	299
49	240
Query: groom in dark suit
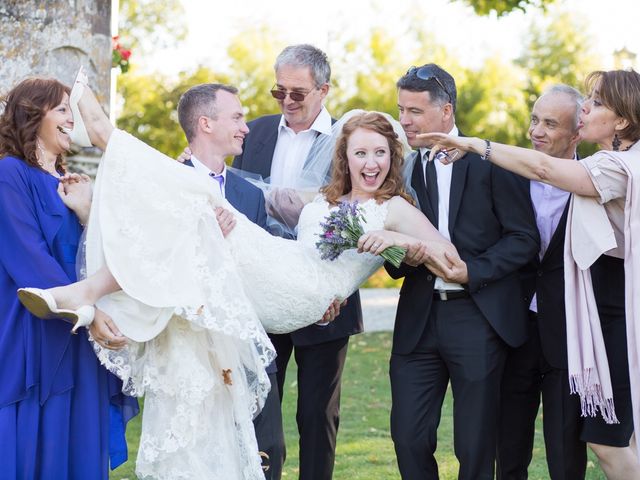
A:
455	326
213	121
540	365
277	148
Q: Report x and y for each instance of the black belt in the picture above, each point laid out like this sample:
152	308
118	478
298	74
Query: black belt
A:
446	295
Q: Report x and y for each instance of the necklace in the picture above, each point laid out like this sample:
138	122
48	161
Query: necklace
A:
630	145
43	156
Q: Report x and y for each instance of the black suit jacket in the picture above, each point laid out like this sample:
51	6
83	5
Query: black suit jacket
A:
259	146
492	224
545	278
246	198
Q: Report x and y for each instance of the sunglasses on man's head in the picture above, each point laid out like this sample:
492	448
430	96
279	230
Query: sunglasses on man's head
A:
426	73
279	94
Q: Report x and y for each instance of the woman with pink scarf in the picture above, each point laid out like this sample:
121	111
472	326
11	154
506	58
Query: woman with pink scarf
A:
604	218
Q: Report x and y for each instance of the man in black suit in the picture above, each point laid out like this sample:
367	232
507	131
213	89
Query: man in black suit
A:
455	326
540	365
277	148
213	121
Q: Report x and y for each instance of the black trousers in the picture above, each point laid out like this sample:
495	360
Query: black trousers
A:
269	433
527	375
318	412
457	346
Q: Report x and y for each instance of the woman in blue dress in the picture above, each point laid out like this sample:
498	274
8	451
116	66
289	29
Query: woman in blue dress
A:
62	415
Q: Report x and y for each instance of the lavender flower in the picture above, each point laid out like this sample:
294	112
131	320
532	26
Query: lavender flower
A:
341	230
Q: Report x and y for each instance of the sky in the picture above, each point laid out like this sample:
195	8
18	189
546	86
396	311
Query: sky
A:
211	25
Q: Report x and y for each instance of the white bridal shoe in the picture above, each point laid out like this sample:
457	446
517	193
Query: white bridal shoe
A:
79	134
42	304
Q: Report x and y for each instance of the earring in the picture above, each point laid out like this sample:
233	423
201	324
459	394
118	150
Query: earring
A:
616	143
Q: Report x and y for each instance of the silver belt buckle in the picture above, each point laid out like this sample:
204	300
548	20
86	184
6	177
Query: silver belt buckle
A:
443	295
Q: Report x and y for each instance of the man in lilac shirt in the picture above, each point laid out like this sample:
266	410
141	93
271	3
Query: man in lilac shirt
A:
540	365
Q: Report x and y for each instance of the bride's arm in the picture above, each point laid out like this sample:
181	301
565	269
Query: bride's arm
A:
407	227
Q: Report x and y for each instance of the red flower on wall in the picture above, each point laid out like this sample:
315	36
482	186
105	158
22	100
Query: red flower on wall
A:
119	55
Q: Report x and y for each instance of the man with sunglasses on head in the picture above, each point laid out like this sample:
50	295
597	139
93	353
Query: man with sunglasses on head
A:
454	326
277	147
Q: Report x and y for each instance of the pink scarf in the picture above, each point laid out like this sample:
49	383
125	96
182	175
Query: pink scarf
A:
589	234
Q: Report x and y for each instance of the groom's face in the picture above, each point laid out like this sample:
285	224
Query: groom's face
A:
228	127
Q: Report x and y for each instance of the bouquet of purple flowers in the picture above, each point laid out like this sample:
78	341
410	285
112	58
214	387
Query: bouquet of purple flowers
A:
342	229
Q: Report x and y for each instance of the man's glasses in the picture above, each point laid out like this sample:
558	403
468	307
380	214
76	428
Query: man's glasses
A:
279	94
426	73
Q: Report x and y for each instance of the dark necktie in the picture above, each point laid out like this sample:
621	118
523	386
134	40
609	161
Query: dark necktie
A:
431	180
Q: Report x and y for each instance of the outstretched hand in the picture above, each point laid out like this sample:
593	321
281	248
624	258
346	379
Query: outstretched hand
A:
446	148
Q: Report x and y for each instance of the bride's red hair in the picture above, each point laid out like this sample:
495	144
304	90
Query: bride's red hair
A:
340	183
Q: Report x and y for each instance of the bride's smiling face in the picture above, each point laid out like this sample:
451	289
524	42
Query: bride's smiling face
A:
369	160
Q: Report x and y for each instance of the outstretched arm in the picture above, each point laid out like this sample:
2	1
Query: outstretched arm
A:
559	172
407	227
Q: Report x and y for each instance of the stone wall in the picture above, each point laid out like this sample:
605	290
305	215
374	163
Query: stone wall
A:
53	38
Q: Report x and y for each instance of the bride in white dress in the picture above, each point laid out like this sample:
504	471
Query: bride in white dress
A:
194	303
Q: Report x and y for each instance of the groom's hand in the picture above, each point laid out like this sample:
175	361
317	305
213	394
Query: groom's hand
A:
185	155
332	312
417	254
226	220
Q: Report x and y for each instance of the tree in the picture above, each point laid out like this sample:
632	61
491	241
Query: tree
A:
492	103
252	53
503	7
558	50
150	111
151	24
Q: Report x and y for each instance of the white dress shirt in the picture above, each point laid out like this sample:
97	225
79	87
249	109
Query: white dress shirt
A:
203	169
293	148
443	173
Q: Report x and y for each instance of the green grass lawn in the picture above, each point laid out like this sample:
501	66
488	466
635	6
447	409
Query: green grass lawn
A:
365	450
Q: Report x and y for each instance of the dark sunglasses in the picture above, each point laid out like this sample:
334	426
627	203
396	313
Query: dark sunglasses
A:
282	94
426	74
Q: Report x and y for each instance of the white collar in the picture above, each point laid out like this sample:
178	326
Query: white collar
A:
322	123
201	167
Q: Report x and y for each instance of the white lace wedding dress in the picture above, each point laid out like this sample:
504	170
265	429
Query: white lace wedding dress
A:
194	305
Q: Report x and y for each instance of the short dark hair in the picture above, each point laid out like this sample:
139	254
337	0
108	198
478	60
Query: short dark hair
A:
199	101
411	82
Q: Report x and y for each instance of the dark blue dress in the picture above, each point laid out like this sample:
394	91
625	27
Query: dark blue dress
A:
62	415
